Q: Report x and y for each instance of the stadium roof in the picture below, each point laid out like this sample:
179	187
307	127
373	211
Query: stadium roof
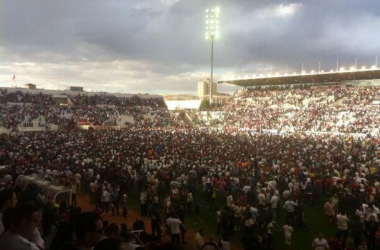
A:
304	78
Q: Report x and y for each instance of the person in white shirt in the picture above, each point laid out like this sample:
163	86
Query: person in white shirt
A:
249	223
272	184
225	243
143	201
198	240
289	207
341	221
286	194
370	213
174	226
229	200
189	201
320	243
376	210
78	178
246	189
261	198
362	212
24	223
288	230
106	200
269	233
273	204
36	237
219	220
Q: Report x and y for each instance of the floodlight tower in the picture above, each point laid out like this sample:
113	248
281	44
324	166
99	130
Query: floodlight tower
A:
212	32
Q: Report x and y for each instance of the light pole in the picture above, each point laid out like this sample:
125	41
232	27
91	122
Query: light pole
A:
212	32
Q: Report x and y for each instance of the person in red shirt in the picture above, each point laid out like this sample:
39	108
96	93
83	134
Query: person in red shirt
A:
354	186
328	183
214	182
242	200
221	185
377	238
330	211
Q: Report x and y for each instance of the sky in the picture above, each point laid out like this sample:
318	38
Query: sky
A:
159	46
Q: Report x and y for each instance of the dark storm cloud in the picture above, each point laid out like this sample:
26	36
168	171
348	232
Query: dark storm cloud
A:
164	39
319	31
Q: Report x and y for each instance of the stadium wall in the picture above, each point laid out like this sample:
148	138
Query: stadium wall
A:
183	104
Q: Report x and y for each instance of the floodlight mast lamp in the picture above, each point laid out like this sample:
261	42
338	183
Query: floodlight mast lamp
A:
212	32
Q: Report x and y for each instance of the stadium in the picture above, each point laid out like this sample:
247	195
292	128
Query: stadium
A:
287	162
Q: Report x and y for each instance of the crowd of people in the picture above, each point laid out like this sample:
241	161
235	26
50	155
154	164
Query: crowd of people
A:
21	109
349	109
247	179
250	174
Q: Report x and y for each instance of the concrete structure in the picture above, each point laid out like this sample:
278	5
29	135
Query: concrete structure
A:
60	99
176	97
183	104
204	89
220	98
184	101
181	101
79	89
30	86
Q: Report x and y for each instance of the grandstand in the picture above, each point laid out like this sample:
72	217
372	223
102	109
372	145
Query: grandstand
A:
326	102
339	107
40	110
339	76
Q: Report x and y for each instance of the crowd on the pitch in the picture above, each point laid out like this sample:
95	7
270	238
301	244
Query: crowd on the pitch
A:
249	174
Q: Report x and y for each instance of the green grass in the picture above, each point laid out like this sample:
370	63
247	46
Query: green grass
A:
315	221
314	215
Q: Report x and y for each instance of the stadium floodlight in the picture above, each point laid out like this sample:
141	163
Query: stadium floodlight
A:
312	72
303	72
352	68
363	67
342	69
322	71
212	33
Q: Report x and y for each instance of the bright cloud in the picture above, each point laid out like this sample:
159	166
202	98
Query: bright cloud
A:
279	10
287	9
169	2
